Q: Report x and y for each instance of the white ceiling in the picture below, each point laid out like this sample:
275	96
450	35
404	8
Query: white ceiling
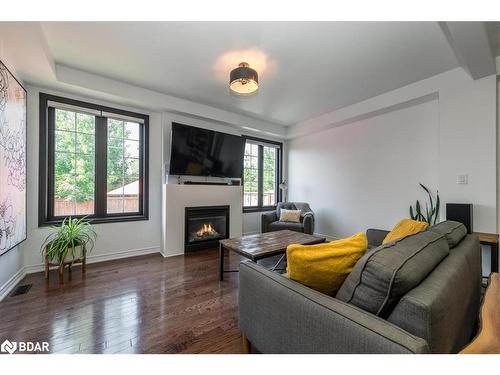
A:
306	69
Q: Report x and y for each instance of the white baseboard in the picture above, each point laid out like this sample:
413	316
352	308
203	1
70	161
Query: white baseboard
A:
103	257
171	255
6	288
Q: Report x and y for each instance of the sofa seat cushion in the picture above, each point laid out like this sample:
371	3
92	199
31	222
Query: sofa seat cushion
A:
282	225
325	266
382	276
452	230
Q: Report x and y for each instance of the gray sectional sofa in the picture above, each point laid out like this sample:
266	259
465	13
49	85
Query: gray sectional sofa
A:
419	294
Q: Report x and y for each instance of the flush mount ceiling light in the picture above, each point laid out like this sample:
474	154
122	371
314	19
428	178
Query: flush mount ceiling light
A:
243	80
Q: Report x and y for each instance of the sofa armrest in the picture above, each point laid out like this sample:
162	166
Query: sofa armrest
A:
376	237
279	315
268	218
308	223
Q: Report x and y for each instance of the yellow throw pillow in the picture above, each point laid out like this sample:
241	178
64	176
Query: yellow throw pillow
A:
404	228
325	266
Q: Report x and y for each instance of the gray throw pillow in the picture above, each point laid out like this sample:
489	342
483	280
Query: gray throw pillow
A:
382	276
452	230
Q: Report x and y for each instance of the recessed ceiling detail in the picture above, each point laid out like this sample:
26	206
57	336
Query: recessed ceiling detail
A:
305	68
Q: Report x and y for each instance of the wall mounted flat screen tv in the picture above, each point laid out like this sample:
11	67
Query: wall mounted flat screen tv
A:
201	152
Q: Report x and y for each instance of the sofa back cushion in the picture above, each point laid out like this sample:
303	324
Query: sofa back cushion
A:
452	230
382	276
443	309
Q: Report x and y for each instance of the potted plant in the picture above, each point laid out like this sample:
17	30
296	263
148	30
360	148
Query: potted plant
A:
71	242
431	214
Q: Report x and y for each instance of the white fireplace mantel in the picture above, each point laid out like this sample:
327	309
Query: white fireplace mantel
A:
177	197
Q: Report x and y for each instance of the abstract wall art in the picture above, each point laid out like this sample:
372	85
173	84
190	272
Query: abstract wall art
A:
12	161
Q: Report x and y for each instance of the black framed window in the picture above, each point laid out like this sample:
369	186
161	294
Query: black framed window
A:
262	171
93	162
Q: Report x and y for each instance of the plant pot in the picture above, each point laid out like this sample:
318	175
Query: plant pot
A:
69	258
78	254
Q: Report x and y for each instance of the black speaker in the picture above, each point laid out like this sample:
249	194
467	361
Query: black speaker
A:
461	212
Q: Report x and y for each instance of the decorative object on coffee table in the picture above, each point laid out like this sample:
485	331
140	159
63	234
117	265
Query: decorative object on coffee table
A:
265	245
488	339
68	245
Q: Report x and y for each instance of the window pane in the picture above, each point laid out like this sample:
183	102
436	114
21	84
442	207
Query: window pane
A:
64	141
115	195
85	143
84	193
131	131
115	128
64	164
131	149
64	203
84	164
65	120
85	123
131	171
269	175
74	164
123	167
251	176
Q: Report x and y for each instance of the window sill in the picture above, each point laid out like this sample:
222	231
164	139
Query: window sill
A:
98	220
247	210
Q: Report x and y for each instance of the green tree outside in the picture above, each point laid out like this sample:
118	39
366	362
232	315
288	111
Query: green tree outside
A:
75	155
250	171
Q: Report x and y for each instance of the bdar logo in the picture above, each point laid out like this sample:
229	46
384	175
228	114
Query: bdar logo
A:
8	347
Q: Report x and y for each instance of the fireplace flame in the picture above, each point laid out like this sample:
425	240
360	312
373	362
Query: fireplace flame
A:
205	230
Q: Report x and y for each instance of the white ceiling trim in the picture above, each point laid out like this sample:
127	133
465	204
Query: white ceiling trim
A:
472	46
415	93
161	102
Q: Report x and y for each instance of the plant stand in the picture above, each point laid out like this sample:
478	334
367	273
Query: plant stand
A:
82	260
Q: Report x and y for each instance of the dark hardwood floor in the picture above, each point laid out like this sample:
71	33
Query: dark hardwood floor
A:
146	304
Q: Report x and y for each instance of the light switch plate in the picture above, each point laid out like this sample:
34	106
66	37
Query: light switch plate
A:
462	179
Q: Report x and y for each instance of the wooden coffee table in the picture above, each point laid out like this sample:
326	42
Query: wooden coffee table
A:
264	245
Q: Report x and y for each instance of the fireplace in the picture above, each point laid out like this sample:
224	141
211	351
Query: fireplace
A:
205	226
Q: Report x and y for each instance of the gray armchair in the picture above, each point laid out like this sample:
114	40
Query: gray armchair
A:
270	220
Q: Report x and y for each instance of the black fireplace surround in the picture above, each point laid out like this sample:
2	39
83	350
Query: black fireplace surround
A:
205	226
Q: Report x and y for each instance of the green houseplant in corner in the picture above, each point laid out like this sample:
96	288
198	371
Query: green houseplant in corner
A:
431	213
68	244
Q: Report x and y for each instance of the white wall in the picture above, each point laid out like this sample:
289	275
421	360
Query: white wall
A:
362	162
11	263
366	174
114	239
